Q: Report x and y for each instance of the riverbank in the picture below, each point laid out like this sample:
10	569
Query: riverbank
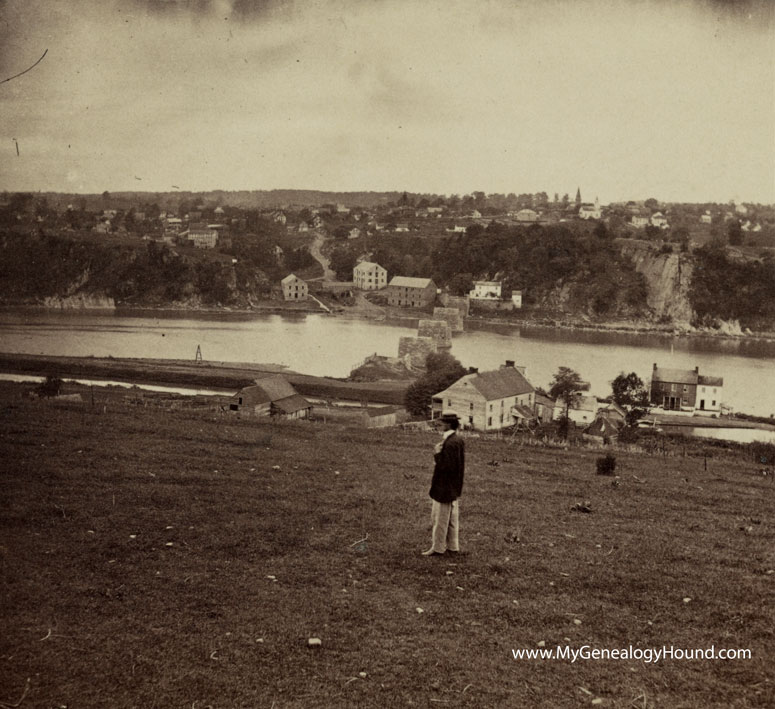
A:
212	375
379	313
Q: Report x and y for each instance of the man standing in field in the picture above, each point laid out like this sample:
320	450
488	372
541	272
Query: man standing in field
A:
447	486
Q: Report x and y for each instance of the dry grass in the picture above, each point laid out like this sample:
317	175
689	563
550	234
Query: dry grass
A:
181	558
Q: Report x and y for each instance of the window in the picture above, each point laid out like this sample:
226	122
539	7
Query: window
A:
240	401
503	401
686	388
489	420
714	403
471	420
449	403
501	418
490	407
471	406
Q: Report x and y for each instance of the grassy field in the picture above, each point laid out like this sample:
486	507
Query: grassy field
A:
160	557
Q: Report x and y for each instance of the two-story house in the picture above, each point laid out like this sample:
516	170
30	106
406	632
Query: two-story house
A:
686	390
489	401
484	290
369	276
411	292
294	288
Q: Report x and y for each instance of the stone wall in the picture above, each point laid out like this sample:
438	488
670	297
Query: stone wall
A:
438	330
461	302
414	350
452	316
492	304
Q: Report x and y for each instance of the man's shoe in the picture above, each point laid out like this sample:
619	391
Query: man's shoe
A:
431	552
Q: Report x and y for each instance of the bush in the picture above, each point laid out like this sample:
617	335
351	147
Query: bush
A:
606	465
50	387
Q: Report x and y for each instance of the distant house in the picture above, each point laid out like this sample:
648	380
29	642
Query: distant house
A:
271	396
402	227
489	401
303	226
686	390
354	233
411	292
457	229
544	408
583	413
369	276
659	220
516	298
294	288
590	211
706	219
279	217
526	215
173	224
602	429
202	236
485	289
639	221
475	214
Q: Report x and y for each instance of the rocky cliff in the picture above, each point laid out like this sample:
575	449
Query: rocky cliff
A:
668	276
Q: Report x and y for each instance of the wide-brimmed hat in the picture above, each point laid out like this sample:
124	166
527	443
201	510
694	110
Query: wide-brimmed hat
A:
449	415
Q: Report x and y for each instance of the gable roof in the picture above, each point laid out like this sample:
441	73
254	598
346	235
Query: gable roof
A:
710	381
497	384
290	278
268	389
367	265
674	376
292	404
601	427
406	282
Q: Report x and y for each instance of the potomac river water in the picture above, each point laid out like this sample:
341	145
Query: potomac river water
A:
327	345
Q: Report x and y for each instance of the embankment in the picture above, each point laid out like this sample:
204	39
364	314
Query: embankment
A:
219	375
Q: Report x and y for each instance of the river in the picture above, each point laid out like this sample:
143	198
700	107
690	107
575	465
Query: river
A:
327	345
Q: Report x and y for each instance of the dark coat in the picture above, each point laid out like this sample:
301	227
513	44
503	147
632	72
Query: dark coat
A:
447	483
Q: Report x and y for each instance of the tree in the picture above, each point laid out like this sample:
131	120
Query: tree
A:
651	203
460	283
735	233
442	370
630	393
567	386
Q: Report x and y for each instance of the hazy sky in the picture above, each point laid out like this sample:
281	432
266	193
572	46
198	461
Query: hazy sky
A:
671	99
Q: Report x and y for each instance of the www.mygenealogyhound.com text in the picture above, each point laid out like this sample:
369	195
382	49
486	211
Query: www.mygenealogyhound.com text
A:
648	654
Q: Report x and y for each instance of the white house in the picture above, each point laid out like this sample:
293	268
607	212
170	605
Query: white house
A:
584	412
526	215
590	211
516	298
489	401
484	290
369	276
659	220
706	219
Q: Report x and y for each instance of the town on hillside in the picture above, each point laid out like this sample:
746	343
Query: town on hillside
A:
527	257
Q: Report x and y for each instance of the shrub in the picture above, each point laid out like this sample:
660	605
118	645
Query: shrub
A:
50	387
606	465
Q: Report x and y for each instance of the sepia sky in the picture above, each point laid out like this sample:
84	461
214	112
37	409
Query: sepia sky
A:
625	99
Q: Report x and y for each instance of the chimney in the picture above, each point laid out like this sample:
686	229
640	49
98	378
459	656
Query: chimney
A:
697	370
473	370
655	366
509	363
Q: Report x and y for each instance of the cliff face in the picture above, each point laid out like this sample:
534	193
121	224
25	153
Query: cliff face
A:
668	275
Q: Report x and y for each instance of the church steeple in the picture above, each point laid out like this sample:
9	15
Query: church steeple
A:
578	195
